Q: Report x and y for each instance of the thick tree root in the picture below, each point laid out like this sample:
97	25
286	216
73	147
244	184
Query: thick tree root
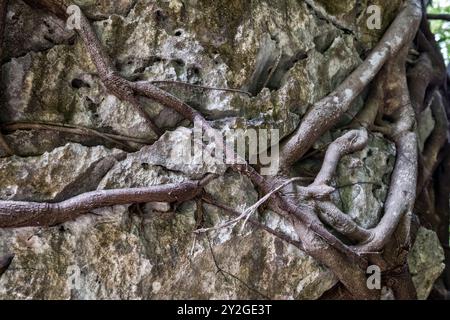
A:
16	214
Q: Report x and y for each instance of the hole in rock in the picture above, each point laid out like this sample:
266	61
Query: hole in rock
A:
78	84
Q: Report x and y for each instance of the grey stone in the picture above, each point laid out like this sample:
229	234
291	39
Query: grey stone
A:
123	253
149	251
56	175
363	179
426	126
426	262
28	30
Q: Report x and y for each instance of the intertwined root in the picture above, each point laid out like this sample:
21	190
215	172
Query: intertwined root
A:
388	61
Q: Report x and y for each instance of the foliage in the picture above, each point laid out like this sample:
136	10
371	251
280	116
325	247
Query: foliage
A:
441	28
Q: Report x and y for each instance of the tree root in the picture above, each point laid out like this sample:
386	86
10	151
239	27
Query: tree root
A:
16	214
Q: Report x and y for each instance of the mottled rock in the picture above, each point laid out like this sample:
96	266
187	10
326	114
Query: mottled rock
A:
181	151
28	143
363	180
425	127
284	53
130	253
426	261
100	10
69	94
56	175
31	30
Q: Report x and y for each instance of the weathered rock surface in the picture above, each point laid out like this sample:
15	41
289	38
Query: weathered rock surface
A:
426	261
286	54
62	173
126	252
362	181
30	30
167	40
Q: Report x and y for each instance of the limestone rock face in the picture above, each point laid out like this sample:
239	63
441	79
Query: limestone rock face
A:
286	54
426	261
285	68
62	173
30	30
139	252
363	179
